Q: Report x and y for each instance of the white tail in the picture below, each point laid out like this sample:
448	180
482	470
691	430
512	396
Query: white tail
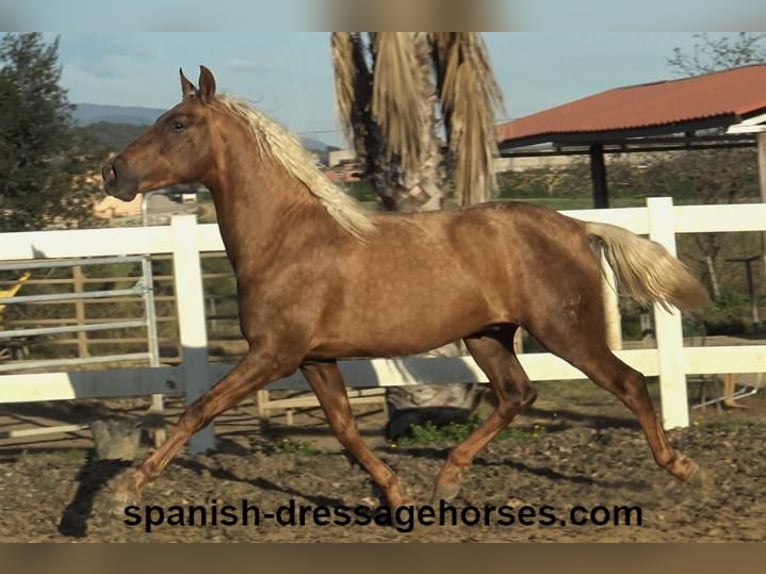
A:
646	270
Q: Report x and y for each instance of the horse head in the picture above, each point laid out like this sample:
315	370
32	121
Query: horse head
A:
175	150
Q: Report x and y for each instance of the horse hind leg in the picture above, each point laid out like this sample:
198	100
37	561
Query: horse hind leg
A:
629	386
326	381
493	352
579	338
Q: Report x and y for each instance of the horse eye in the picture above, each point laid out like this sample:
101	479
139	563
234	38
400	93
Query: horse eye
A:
178	126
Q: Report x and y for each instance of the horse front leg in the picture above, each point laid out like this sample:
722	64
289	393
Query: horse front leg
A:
494	354
326	381
254	371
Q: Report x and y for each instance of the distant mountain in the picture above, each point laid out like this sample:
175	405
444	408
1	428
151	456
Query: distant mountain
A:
88	114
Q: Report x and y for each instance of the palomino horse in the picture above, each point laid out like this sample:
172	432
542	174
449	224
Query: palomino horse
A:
319	279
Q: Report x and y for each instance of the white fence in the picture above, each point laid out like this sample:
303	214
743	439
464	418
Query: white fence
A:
185	239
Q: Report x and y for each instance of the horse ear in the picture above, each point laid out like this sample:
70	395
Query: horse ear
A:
206	84
188	90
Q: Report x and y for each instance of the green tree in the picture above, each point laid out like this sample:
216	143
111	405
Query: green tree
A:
42	165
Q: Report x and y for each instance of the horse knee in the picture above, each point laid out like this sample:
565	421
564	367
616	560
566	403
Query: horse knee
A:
665	458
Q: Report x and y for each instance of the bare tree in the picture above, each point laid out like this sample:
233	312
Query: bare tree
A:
719	176
716	53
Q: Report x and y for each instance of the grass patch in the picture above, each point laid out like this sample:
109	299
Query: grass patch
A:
56	455
729	421
430	434
287	446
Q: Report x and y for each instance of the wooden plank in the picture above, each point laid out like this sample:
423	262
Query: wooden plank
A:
112	383
447	370
37	431
20	246
724	360
720	218
26	245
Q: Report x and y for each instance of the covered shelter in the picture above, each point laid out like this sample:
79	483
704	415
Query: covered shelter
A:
715	110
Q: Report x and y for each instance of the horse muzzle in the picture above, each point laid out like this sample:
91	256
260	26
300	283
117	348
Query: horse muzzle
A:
118	181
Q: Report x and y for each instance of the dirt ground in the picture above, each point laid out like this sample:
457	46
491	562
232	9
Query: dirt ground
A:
576	447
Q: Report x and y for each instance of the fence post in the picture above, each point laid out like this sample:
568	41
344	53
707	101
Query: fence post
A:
611	301
78	279
190	305
668	327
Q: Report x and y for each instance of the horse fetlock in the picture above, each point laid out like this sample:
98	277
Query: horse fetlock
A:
392	492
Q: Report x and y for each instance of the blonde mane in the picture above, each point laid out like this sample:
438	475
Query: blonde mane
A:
287	150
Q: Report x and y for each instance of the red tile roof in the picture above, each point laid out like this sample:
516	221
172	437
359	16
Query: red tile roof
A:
728	96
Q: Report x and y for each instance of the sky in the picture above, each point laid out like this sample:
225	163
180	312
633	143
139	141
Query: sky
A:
120	53
114	16
288	75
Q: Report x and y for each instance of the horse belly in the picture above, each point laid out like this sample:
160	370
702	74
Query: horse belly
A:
404	326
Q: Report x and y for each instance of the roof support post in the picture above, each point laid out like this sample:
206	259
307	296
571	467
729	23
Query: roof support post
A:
761	138
598	176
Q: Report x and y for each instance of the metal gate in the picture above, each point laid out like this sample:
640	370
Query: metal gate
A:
143	288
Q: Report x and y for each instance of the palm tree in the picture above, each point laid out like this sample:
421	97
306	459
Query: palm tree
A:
416	106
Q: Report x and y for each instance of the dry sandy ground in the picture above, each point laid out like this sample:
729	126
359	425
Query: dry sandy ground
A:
590	455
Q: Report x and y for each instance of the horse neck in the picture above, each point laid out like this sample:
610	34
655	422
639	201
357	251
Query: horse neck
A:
262	210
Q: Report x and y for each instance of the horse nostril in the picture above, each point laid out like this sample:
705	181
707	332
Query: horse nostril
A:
108	173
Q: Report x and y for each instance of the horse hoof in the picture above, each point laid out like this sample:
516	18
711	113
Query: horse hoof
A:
445	492
122	497
699	478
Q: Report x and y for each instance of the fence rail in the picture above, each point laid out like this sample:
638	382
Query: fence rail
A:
185	240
